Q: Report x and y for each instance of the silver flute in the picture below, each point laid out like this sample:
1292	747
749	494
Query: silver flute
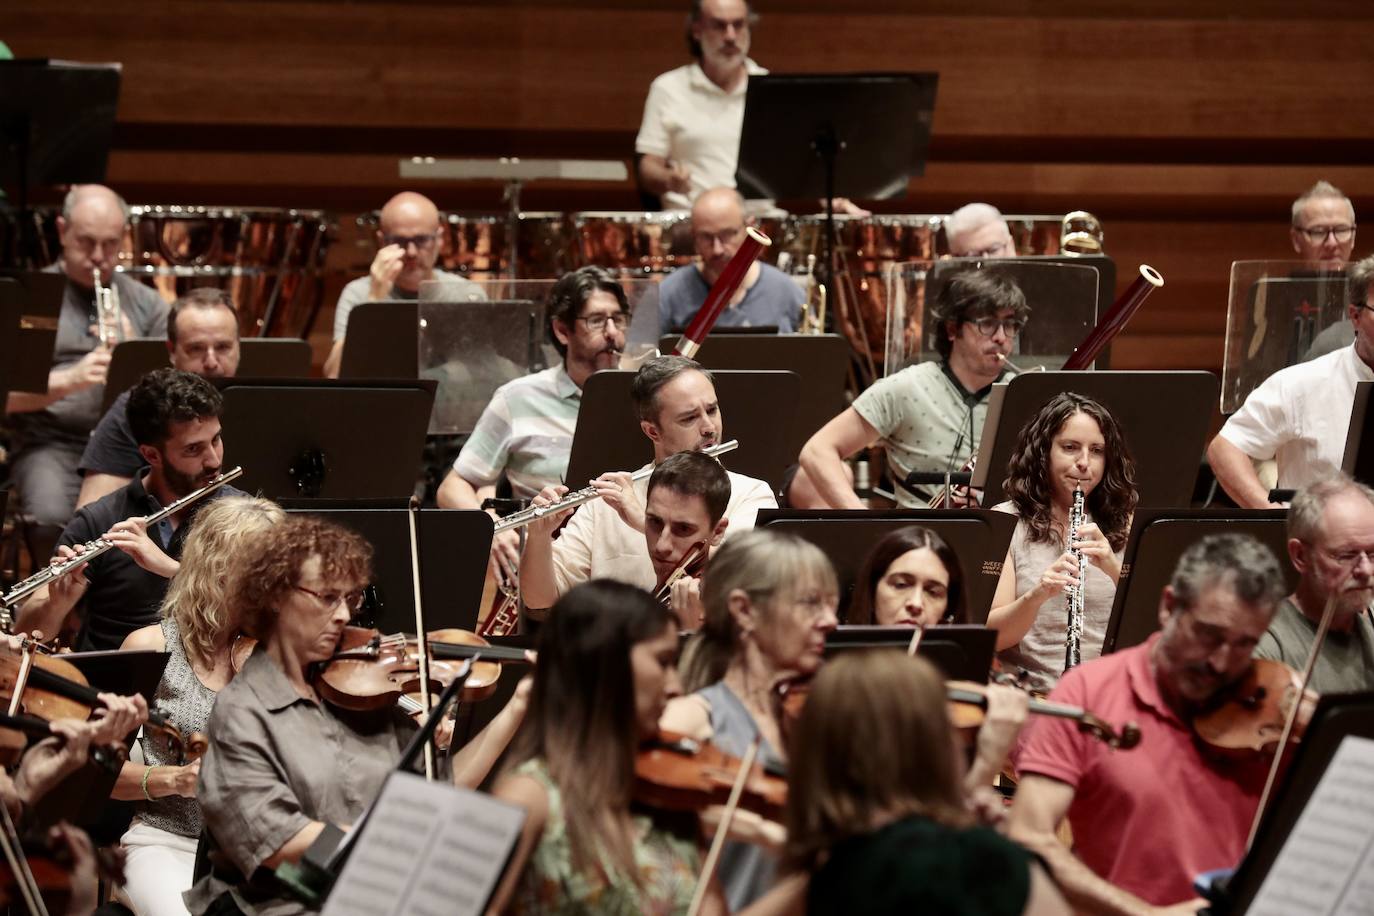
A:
95	548
1073	643
586	494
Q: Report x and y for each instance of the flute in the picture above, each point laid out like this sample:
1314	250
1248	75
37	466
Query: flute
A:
586	494
98	546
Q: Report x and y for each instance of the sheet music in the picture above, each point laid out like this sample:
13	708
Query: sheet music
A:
428	849
1327	864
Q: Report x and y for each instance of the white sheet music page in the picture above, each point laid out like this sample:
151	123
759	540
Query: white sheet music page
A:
428	849
1326	866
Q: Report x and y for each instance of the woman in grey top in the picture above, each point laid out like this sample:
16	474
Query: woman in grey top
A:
1072	442
197	631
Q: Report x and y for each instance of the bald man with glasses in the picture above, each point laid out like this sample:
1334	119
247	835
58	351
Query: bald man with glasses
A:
408	240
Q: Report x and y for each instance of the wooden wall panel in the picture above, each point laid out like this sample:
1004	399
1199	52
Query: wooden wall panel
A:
1187	126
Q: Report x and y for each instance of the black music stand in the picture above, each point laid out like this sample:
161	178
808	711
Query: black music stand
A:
259	358
30	306
1294	845
1359	438
326	439
860	135
962	652
385	335
978	537
757	407
454	546
1165	417
821	361
1158	538
56	123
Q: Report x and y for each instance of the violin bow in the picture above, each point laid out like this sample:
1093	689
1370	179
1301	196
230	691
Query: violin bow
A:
422	645
19	865
1322	627
708	868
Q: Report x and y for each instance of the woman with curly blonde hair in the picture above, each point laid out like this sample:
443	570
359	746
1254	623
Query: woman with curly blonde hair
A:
197	631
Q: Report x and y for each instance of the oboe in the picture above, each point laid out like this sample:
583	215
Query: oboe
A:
586	494
98	546
1073	652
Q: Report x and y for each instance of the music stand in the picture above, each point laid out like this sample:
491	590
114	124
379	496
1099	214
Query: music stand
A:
962	652
821	362
1167	444
1359	438
820	135
1158	538
56	123
327	439
758	404
978	537
454	546
259	358
1294	865
386	336
30	306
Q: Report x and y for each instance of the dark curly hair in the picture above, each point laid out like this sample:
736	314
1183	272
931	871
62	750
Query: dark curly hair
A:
571	292
891	546
1111	502
271	563
167	396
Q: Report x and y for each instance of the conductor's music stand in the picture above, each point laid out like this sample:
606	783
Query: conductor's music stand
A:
860	135
30	305
1158	538
978	537
325	439
758	408
259	358
454	547
1164	417
56	123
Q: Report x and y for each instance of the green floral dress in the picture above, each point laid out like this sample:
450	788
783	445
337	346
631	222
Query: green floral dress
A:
667	863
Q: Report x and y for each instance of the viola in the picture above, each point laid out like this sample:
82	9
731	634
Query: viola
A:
372	671
1250	715
676	773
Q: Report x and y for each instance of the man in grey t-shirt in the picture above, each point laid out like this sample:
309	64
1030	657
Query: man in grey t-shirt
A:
51	429
1331	545
407	248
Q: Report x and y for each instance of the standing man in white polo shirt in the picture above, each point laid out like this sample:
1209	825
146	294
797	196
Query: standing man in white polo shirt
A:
689	139
1300	415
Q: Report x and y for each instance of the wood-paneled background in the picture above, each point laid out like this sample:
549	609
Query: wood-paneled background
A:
1187	125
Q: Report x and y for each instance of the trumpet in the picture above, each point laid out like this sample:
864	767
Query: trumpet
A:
587	494
93	549
109	319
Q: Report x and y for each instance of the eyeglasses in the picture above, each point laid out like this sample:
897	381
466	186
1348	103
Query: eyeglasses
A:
726	237
597	323
352	600
1318	234
1348	557
421	242
1010	326
712	24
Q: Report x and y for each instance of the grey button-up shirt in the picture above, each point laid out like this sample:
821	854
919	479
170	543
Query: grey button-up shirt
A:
276	762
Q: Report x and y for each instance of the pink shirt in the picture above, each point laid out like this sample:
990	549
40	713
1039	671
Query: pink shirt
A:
1150	819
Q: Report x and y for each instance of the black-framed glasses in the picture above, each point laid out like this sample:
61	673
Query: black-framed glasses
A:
1318	234
353	600
1010	326
597	323
421	242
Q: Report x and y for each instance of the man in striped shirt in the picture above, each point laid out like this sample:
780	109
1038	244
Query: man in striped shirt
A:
526	431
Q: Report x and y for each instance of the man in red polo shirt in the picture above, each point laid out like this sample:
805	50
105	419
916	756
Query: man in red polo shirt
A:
1146	821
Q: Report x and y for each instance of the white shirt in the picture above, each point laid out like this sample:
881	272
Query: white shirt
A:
692	121
597	544
1301	415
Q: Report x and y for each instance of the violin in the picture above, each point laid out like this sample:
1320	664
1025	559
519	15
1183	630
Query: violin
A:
371	671
49	688
693	565
16	731
1250	716
676	773
47	872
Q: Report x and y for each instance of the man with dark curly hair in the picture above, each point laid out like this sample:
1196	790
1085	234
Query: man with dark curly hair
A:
928	416
174	416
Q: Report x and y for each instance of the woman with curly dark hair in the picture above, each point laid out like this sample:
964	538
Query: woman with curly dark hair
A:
1072	442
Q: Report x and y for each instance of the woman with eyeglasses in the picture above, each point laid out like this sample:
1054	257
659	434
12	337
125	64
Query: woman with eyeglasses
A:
928	417
1072	442
283	763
